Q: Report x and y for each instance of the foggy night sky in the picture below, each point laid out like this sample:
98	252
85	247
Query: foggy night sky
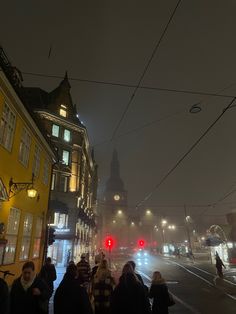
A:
112	41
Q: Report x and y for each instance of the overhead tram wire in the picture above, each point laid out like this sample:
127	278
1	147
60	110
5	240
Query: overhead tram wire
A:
161	119
185	155
161	89
141	127
144	72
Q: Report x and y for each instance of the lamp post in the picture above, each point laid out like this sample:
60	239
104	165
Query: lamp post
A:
163	224
186	220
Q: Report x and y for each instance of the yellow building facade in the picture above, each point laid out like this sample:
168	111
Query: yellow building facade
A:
26	160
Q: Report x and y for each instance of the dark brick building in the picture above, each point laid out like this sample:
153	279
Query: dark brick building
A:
72	207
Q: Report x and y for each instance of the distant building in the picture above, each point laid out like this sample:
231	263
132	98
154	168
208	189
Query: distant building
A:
26	159
74	178
114	208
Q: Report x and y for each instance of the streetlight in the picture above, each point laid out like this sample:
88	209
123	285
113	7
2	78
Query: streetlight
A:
163	223
119	212
187	221
132	223
148	212
16	187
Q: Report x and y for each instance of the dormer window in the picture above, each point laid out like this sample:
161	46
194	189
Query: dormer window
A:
63	111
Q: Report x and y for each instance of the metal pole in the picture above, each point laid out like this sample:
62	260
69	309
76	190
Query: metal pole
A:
109	257
187	229
163	235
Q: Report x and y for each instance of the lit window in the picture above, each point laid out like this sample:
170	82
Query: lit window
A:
61	220
66	135
65	157
53	181
11	235
24	147
7	127
26	239
63	111
37	237
55	130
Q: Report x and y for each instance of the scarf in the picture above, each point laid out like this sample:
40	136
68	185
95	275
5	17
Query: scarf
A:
26	284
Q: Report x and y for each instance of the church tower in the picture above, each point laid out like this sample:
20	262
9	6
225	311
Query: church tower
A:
114	220
115	193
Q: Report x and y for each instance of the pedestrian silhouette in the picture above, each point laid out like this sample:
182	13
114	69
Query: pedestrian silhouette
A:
219	265
129	296
4	297
29	294
159	293
70	297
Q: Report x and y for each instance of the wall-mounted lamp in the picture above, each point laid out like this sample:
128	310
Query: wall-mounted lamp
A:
16	187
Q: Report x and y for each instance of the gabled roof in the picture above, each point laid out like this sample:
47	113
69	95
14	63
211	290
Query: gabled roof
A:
36	97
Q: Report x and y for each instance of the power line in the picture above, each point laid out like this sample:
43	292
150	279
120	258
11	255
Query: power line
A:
185	155
144	72
160	89
140	127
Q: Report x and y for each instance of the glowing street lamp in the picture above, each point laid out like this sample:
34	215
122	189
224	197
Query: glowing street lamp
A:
148	212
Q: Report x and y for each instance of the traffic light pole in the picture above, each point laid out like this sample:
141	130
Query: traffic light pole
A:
109	257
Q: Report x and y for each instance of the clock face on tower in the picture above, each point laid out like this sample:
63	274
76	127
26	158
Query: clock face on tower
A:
116	197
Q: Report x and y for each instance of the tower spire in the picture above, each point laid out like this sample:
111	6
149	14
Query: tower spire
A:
65	82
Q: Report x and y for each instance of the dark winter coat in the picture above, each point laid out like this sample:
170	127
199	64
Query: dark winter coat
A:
160	295
71	298
129	297
48	274
24	302
4	297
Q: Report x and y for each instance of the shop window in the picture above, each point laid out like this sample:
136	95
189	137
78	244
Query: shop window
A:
26	238
37	237
61	220
11	235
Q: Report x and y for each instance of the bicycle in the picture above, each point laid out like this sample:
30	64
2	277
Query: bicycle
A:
6	273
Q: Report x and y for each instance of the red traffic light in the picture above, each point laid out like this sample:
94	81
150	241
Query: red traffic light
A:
109	242
141	243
